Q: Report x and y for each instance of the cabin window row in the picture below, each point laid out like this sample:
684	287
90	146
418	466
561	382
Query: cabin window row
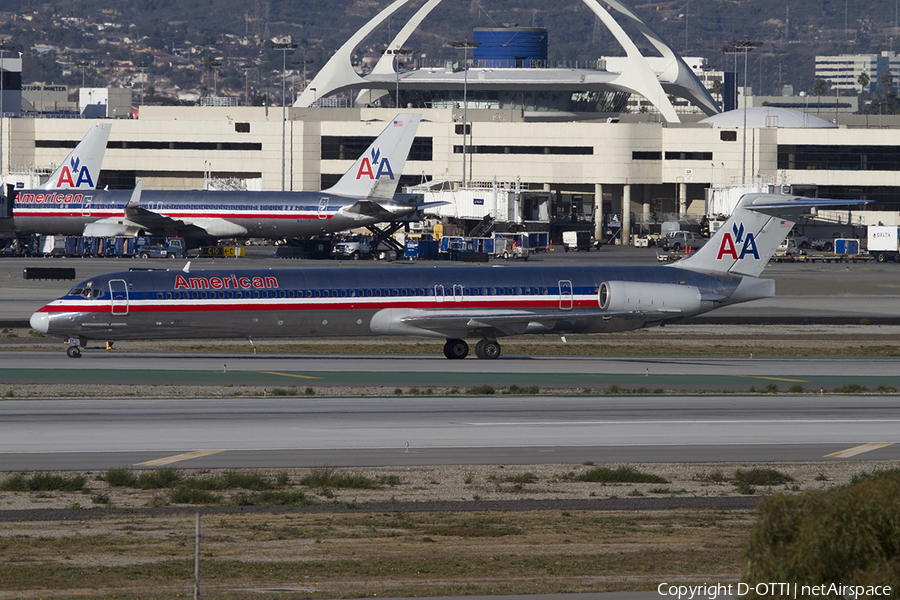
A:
370	293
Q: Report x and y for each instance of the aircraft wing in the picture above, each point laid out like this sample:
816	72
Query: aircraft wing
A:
517	323
368	209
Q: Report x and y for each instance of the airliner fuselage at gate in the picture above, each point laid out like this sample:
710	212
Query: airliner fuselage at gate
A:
364	196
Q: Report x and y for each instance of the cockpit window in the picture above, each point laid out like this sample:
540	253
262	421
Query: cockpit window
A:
97	293
86	293
75	292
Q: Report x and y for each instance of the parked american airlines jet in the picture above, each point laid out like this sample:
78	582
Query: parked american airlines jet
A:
363	196
452	303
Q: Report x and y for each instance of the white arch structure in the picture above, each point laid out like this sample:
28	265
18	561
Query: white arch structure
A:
677	78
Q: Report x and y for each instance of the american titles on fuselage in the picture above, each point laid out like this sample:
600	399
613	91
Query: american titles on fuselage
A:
51	197
223	283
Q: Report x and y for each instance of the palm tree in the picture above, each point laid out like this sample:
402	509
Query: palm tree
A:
820	86
863	80
887	80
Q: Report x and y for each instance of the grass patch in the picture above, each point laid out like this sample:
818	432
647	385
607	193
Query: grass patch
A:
272	498
186	495
43	482
329	477
160	478
851	388
527	477
120	477
481	390
760	477
619	475
284	392
388	480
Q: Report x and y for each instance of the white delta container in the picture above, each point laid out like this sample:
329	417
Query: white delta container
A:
884	242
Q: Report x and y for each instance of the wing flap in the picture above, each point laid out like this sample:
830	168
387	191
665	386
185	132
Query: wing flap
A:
517	323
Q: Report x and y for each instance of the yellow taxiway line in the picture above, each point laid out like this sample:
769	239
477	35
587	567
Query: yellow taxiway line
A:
856	450
287	374
178	457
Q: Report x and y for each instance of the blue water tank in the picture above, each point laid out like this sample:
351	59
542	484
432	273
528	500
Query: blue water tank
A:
510	47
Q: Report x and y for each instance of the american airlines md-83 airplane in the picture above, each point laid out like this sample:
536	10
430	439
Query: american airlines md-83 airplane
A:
453	303
363	196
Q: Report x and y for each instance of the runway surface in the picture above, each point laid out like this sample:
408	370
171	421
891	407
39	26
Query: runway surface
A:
273	432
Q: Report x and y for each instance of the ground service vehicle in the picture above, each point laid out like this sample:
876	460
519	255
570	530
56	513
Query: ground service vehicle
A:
354	247
682	240
576	240
884	242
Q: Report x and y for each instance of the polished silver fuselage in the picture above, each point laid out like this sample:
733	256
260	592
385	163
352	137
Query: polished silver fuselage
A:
443	302
218	214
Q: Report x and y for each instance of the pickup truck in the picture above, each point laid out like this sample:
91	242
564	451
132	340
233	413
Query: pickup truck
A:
354	248
681	240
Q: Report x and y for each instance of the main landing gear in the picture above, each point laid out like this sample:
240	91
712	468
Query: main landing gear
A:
457	349
73	352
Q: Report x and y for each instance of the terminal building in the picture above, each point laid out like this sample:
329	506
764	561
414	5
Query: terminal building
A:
507	136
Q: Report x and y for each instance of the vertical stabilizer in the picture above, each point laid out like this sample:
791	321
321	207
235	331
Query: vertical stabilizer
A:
744	244
82	166
376	173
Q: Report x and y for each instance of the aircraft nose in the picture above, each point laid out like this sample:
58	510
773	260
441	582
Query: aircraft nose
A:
40	322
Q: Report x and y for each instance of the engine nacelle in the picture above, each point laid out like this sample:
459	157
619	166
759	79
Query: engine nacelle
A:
618	296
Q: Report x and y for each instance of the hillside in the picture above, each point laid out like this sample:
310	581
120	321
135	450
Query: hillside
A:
106	43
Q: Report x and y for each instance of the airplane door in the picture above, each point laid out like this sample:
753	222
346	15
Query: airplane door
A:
457	293
439	293
323	208
118	291
86	206
566	296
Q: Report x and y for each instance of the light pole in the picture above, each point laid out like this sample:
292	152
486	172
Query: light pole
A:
465	45
397	52
743	47
3	48
246	68
215	66
283	46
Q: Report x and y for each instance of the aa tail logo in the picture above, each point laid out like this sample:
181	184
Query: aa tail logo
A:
730	243
74	175
367	168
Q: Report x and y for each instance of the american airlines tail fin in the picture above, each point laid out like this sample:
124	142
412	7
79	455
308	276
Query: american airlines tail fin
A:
375	174
82	166
744	244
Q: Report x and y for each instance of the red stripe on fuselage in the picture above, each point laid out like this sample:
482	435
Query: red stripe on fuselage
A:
103	213
319	304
